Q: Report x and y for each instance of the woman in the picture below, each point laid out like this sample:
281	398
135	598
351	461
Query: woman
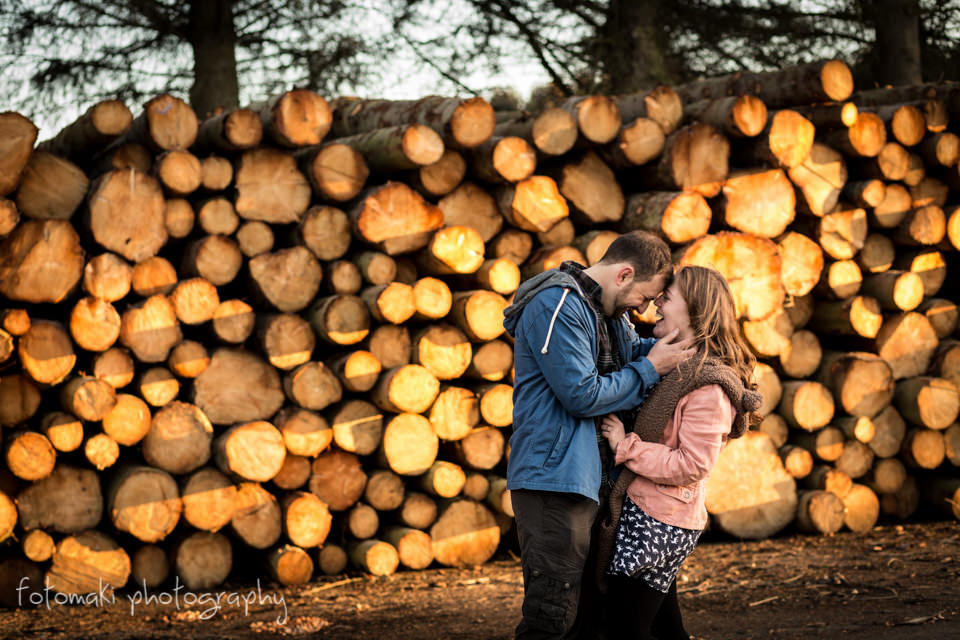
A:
657	507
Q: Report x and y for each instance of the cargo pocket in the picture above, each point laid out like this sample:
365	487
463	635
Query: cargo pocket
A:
550	602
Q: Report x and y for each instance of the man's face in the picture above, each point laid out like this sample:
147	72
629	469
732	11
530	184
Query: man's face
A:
637	294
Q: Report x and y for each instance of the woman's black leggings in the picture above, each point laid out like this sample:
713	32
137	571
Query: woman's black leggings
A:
637	610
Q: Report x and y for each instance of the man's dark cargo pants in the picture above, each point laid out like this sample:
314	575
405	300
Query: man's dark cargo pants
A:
554	532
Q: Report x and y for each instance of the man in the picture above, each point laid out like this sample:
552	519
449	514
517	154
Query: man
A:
576	357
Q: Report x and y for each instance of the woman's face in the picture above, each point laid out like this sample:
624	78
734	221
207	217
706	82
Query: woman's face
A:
673	314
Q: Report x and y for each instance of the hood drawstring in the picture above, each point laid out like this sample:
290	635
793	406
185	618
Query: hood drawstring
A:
556	312
553	320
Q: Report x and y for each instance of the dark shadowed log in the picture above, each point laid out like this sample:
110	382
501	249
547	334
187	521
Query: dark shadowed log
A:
179	439
237	387
877	254
338	479
144	502
18	135
256	519
312	386
51	187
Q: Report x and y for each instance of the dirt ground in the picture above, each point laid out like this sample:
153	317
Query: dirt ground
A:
896	582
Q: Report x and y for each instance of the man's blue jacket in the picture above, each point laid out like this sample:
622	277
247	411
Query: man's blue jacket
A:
557	390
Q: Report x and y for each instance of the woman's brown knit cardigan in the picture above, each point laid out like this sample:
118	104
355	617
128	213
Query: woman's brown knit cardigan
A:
652	418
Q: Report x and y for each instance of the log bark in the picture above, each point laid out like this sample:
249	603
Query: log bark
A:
854	316
894	289
929	264
463	123
737	116
9	216
946	361
822	81
397	148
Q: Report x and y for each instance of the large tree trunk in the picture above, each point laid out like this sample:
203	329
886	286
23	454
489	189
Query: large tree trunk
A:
213	40
896	52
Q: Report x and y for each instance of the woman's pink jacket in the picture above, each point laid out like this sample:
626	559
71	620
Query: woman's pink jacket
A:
671	477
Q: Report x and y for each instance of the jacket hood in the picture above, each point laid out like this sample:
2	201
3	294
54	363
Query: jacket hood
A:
529	289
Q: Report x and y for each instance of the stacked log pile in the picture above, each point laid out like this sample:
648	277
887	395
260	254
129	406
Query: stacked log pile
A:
280	329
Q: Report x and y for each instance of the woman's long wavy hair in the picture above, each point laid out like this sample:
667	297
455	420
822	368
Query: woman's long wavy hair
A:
713	318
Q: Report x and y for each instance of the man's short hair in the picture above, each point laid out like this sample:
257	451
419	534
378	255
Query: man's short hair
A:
645	252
